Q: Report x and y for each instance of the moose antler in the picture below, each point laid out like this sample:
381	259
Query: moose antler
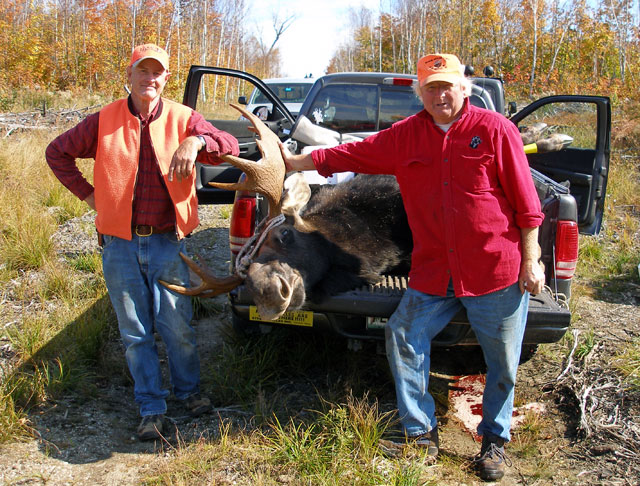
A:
266	176
211	284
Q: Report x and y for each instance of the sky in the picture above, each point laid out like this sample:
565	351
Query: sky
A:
320	26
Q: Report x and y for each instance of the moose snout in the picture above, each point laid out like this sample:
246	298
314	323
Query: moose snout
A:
275	288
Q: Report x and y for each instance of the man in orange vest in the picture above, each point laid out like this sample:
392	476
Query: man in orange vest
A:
145	148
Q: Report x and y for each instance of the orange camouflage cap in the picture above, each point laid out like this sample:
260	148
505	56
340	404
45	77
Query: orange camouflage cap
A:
439	67
149	51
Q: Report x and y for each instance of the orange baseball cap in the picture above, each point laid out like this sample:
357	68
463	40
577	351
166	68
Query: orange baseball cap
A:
150	51
439	67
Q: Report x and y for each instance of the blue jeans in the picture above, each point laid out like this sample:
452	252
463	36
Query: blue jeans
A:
131	271
498	320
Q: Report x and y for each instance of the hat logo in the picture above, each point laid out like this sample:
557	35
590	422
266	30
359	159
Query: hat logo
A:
438	64
150	48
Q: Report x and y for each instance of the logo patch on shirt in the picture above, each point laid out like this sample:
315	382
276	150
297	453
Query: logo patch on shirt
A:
475	141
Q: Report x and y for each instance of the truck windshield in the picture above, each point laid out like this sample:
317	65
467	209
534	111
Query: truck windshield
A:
349	108
287	92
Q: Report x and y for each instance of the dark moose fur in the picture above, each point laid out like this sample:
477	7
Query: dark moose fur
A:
361	233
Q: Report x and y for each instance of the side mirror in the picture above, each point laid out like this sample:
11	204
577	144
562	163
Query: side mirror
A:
242	100
513	107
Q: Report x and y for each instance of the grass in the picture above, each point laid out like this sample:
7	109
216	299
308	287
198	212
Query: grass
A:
611	258
28	100
25	242
529	444
225	211
337	445
585	345
56	317
627	362
59	319
14	421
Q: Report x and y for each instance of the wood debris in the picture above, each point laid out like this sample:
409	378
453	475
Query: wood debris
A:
607	406
42	119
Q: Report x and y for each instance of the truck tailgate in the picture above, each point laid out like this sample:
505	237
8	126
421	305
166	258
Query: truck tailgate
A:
361	313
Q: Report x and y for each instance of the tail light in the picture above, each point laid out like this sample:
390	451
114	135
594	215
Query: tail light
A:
399	81
243	222
566	249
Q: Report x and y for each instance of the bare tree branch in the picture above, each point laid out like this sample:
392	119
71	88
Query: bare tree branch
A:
280	28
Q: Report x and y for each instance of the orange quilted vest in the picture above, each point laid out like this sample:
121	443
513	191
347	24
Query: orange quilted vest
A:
116	166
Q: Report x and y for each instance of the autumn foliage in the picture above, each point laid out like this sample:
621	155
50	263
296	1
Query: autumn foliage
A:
537	46
86	44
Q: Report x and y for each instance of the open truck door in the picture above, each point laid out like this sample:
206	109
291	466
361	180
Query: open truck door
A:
210	91
583	165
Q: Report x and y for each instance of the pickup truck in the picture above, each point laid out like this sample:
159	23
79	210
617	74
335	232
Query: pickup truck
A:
342	107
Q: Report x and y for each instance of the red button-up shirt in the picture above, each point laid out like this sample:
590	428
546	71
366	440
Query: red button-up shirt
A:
152	204
467	194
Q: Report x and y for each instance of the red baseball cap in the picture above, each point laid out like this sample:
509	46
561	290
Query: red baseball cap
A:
439	67
150	51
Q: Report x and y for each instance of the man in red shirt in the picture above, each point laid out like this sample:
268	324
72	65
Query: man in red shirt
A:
474	214
145	148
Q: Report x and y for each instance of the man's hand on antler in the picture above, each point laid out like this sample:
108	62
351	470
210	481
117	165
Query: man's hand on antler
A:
296	162
184	158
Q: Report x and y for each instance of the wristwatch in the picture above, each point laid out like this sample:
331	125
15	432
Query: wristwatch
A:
204	142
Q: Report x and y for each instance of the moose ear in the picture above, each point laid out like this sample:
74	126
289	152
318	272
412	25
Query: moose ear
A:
296	194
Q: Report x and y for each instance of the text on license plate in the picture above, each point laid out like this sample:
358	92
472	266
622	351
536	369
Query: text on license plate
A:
293	318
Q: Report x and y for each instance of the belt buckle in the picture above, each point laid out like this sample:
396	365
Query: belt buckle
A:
142	235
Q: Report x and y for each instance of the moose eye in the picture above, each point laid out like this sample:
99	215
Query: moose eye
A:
285	236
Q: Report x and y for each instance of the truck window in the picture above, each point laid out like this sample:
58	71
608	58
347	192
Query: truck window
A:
215	94
578	164
349	108
578	120
287	92
346	108
396	105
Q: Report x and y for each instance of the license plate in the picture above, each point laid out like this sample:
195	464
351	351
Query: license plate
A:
376	322
292	318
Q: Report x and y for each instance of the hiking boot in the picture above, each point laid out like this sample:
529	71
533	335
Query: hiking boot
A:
428	441
197	404
151	427
492	459
395	443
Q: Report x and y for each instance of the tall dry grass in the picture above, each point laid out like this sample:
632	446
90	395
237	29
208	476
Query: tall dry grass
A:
613	256
53	309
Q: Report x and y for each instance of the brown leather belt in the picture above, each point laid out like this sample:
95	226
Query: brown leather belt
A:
146	230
